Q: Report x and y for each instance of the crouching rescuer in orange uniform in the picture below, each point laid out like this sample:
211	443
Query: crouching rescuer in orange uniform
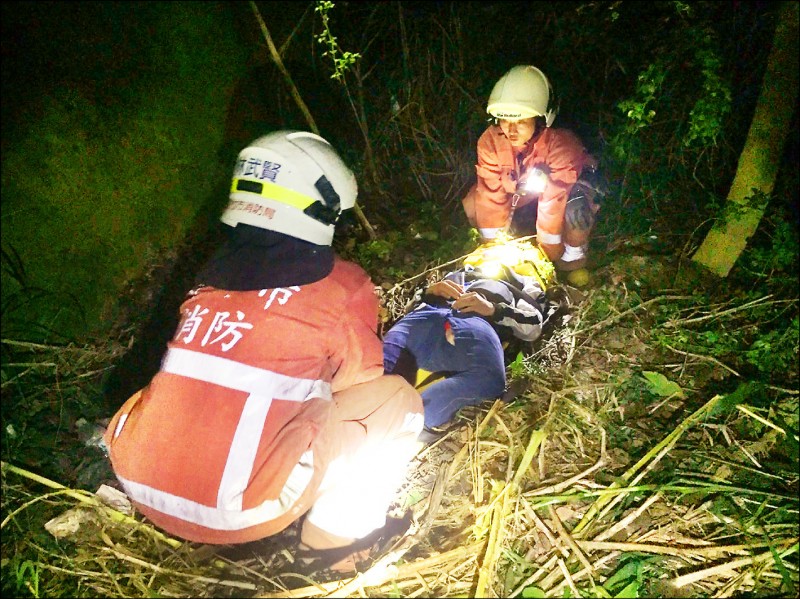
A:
271	403
529	174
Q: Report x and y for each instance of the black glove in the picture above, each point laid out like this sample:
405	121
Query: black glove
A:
579	214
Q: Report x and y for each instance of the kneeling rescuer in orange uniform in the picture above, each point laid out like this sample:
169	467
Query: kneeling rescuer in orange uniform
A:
271	403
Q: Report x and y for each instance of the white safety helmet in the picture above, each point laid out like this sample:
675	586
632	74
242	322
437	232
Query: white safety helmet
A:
522	93
292	182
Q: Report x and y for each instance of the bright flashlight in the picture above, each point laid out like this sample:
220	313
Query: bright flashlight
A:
536	182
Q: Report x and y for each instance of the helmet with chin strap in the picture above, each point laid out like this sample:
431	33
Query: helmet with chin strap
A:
523	92
292	182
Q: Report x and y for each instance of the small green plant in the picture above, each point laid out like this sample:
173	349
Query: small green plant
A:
638	110
707	116
342	61
524	366
660	385
27	577
372	251
776	350
517	367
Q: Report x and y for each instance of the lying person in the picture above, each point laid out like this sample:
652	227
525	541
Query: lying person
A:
459	328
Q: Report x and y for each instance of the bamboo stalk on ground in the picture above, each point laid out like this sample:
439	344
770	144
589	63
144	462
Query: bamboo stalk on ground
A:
91	500
510	494
687	579
487	567
650	459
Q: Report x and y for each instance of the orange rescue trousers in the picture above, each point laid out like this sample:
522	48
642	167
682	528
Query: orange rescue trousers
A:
360	460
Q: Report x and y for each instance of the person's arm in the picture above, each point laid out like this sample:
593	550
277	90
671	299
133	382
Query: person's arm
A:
565	158
522	306
494	187
446	288
524	319
358	351
491	184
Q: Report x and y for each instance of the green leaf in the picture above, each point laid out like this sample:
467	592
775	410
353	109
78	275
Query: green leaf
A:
532	593
658	384
631	591
788	585
631	569
742	394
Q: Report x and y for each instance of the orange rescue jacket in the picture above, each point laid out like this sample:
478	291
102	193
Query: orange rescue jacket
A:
219	447
498	171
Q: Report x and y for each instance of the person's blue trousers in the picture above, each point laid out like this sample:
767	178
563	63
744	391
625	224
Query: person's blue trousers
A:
474	363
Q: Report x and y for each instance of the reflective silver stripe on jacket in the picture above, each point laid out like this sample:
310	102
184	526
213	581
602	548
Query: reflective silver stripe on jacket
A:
218	518
262	386
550	238
235	375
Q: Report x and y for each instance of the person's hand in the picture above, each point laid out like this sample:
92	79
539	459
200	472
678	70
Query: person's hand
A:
474	302
446	288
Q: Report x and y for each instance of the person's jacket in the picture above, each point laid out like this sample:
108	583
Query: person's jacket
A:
521	307
220	445
499	169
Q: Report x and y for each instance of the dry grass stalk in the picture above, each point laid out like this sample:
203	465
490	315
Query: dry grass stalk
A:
622	524
559	487
91	500
486	570
763	558
171	572
617	317
565	571
689	552
408	571
714	314
563	534
711	359
558	590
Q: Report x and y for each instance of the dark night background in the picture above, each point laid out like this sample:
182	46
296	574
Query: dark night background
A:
121	121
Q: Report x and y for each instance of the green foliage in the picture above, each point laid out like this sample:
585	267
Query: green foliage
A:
779	256
707	117
115	190
631	576
370	252
26	576
777	350
771	346
745	392
533	592
668	149
639	111
516	367
342	61
660	385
